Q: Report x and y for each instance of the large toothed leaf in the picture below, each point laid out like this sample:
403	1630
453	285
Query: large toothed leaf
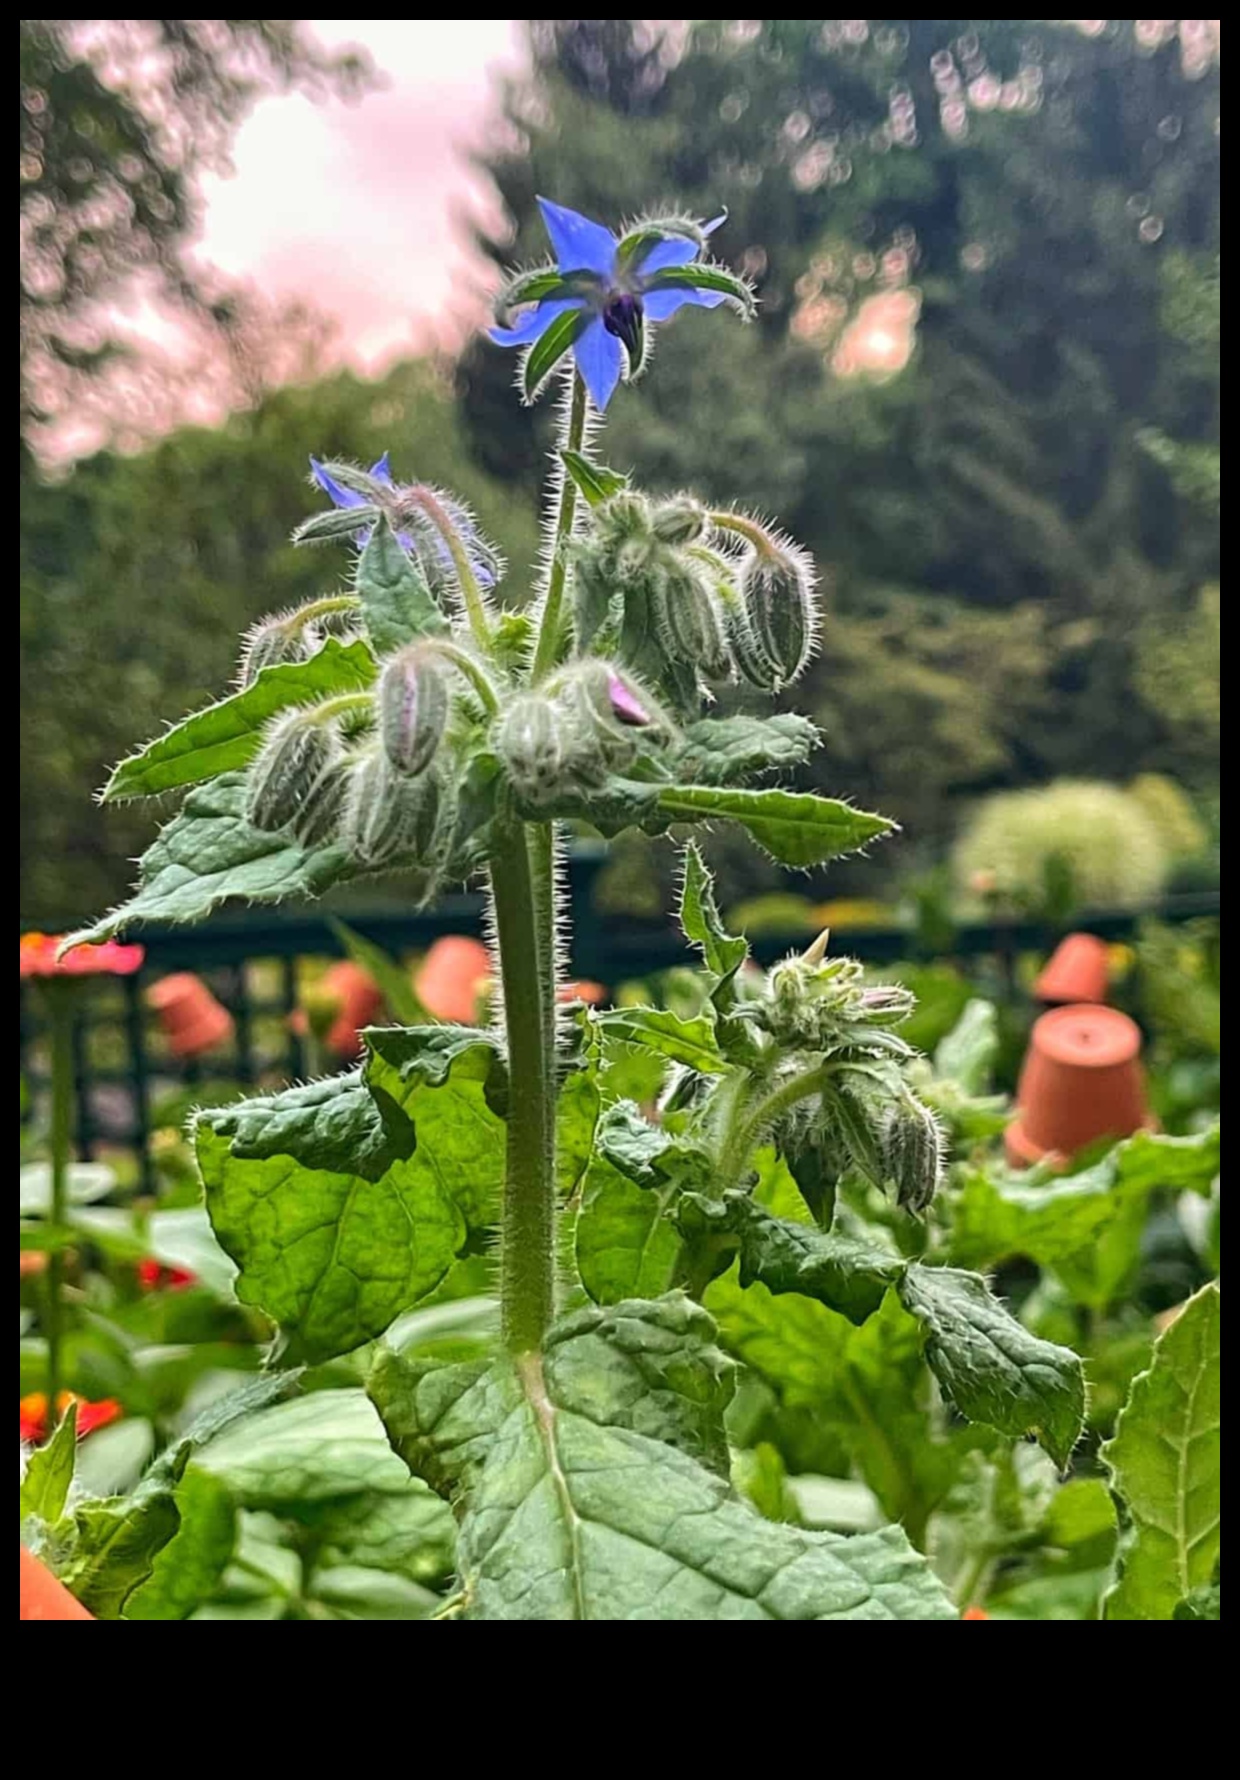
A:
185	1572
691	1042
210	854
730	750
226	736
990	1366
116	1539
316	1449
592	1486
700	920
1087	1227
1165	1464
795	827
341	1215
397	603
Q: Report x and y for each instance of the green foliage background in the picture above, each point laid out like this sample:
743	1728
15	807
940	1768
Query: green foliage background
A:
1018	533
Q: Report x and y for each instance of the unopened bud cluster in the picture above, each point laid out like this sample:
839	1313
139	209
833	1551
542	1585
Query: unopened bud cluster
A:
588	724
668	588
824	1004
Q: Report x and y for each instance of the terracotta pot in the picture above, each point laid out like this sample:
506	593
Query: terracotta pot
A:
360	1001
1078	970
192	1019
452	977
1082	1080
42	1596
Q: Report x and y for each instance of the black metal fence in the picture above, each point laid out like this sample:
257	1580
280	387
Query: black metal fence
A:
251	960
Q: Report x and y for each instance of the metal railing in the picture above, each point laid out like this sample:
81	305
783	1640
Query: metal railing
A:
251	961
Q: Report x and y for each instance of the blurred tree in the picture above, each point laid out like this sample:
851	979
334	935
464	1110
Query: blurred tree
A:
1002	204
117	116
138	573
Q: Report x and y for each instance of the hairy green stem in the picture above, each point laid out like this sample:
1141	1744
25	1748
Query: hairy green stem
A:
471	592
328	709
464	662
748	1125
60	1007
547	652
528	1253
324	608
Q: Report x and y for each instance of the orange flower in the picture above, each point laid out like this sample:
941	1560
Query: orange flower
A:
33	1260
41	1596
975	1613
153	1276
39	959
33	1414
453	975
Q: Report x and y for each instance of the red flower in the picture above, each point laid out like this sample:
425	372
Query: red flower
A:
153	1276
975	1613
33	1414
39	958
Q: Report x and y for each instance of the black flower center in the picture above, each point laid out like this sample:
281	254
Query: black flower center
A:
623	317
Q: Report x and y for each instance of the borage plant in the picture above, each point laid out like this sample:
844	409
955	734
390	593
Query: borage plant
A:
414	724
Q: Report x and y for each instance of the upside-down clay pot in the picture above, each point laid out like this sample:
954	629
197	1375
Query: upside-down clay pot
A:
192	1019
42	1596
1078	970
360	1001
453	975
1081	1081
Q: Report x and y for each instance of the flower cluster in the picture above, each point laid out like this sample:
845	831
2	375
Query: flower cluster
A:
33	1417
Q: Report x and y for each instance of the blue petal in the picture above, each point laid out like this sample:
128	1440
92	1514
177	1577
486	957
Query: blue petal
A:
533	326
600	359
716	222
673	250
339	497
382	471
580	245
661	305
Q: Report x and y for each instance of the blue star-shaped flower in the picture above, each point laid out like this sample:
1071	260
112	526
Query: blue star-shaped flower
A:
611	285
431	549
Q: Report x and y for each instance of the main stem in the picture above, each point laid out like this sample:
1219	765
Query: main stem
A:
527	1277
61	1013
548	651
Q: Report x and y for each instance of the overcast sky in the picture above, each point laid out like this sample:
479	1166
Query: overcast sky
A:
359	207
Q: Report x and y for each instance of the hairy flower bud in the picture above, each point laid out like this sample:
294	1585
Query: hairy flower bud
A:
394	819
297	750
318	820
777	594
691	625
912	1153
531	742
413	710
681	520
271	643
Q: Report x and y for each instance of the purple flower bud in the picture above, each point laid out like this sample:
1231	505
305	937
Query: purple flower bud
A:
626	705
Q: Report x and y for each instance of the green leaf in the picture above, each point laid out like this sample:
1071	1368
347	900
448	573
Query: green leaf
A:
186	1571
341	1215
116	1540
1086	1228
226	736
397	603
701	922
967	1054
795	827
729	750
625	1246
592	1485
990	1366
185	1239
84	1183
848	1276
595	482
315	1449
49	1472
210	853
393	981
1205	1602
549	349
1165	1467
711	278
577	1109
691	1042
